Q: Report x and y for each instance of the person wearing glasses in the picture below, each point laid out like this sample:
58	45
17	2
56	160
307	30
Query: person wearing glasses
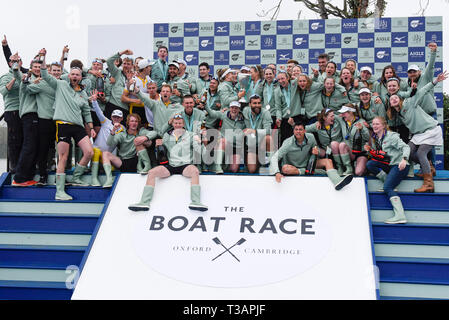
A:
72	111
258	138
179	143
9	89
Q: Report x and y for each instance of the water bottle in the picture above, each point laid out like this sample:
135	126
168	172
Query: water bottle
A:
311	165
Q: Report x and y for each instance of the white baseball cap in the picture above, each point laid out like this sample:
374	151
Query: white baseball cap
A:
143	64
117	113
413	67
366	69
346	109
364	90
245	68
174	63
235	104
181	61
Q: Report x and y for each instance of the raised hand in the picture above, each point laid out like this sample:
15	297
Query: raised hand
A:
4	41
442	76
127	52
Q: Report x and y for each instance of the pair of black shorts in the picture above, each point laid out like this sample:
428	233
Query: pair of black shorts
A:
129	165
176	170
65	132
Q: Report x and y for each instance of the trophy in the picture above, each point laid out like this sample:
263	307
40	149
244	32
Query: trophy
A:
243	79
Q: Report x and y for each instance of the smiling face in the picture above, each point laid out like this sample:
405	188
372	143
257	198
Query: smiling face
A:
329	84
172	71
56	71
378	126
283	80
365	75
178	123
393	87
256	105
329	119
296	71
269	75
365	97
204	71
188	104
36	69
395	101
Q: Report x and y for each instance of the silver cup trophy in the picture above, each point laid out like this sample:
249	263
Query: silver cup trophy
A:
243	79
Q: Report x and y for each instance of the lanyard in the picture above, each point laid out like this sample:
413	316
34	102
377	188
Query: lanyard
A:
253	124
287	95
379	142
210	102
253	86
269	92
189	123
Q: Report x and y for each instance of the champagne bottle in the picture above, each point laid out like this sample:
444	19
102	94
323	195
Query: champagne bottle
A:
161	155
311	165
204	98
357	142
100	85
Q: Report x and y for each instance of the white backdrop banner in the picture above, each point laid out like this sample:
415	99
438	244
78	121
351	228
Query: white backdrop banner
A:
259	240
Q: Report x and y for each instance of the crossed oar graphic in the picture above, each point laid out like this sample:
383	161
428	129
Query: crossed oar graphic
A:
217	241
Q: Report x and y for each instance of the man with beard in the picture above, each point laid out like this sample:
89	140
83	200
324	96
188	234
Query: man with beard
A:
257	134
72	110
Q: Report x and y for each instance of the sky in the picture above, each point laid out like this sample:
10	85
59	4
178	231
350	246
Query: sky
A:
55	24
